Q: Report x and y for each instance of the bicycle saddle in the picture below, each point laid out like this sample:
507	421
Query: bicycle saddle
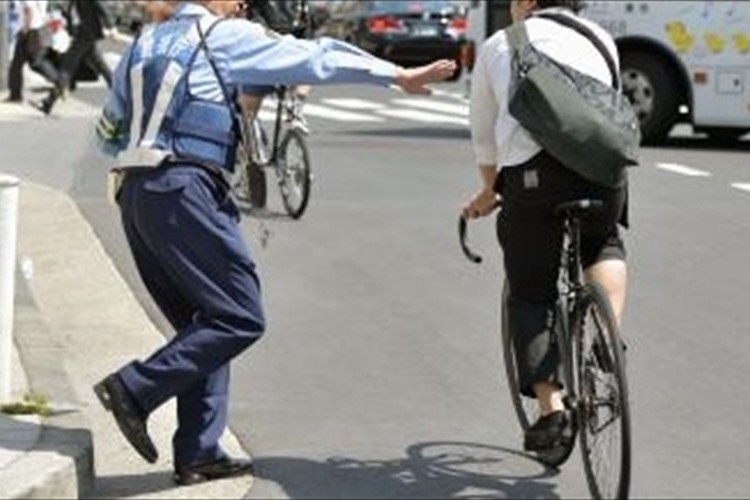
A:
577	208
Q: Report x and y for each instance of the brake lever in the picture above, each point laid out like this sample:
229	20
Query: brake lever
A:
473	257
462	230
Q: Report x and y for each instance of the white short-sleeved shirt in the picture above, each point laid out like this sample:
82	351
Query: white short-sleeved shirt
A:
38	9
497	137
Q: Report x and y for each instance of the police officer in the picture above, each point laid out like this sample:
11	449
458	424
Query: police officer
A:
171	120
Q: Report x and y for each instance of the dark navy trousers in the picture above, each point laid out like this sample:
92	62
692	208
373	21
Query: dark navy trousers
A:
183	230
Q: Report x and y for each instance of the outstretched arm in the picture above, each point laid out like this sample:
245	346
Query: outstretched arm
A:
415	80
254	58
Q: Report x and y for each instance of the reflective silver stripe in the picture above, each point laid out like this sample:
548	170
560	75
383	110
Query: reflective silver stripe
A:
166	91
104	133
141	157
136	98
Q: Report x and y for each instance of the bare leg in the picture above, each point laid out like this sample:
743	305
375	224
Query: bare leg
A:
250	105
612	275
549	397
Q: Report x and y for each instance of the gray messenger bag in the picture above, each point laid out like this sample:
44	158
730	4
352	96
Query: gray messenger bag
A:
588	126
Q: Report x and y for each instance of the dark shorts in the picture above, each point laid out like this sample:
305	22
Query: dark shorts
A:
530	193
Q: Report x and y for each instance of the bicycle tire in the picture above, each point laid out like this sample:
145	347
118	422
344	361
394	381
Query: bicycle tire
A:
295	176
257	192
601	366
252	185
526	408
248	181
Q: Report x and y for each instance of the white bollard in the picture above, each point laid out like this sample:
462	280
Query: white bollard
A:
8	235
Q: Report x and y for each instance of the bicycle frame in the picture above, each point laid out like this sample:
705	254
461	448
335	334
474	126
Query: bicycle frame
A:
570	287
280	96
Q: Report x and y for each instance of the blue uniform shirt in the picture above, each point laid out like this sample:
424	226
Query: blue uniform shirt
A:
245	57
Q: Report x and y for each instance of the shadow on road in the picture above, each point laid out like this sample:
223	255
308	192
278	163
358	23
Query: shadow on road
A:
429	470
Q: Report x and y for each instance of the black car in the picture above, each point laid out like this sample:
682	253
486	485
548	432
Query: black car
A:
406	32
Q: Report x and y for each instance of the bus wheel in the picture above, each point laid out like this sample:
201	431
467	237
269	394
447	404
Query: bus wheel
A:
654	94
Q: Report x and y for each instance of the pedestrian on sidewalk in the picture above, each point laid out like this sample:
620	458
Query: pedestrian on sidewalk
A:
172	120
31	46
89	23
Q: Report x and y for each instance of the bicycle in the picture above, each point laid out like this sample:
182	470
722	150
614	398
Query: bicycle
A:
286	154
592	366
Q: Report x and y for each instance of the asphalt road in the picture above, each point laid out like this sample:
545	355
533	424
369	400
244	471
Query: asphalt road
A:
382	358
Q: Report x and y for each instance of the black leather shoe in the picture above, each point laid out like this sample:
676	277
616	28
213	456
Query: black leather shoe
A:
45	105
219	469
115	398
552	430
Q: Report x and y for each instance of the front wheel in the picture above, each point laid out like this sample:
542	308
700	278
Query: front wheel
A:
295	176
604	409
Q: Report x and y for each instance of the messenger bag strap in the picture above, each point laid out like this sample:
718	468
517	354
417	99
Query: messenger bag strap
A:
518	39
585	31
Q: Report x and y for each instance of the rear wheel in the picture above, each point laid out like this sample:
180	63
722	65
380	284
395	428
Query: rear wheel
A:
249	179
604	411
256	185
527	409
256	174
653	93
295	176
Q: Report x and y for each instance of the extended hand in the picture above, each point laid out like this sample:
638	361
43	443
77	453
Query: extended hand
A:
414	80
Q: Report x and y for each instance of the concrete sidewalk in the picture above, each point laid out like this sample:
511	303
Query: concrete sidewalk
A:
76	321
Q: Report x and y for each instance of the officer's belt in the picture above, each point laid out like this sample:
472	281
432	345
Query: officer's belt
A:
118	175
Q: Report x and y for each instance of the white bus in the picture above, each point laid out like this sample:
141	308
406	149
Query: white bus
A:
681	61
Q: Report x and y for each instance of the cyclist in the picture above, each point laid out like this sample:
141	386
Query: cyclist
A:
286	17
531	183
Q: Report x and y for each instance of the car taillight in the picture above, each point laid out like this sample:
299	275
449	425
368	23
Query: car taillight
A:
385	25
459	24
457	27
468	55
